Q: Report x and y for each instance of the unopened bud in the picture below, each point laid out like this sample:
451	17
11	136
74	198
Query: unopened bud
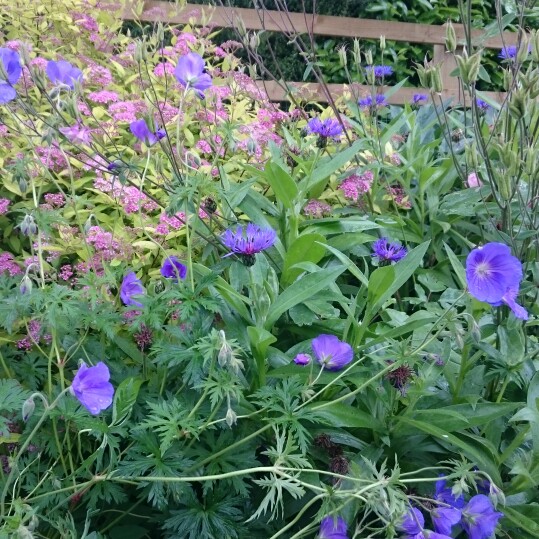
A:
368	58
26	285
356	51
28	226
343	57
436	80
254	41
523	51
534	39
88	224
22	183
450	37
231	417
28	408
382	43
160	32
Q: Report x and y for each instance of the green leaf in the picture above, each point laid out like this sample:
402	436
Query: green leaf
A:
124	399
283	185
479	453
305	248
301	291
457	265
260	339
384	282
343	415
522	522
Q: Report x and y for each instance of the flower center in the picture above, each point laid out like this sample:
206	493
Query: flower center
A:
483	270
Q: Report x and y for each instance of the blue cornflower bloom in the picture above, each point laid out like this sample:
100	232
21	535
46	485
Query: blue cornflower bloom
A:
419	98
508	53
479	519
368	102
140	129
130	288
333	528
63	72
329	127
413	525
493	275
482	105
172	268
331	353
191	72
380	71
92	388
387	251
247	241
10	73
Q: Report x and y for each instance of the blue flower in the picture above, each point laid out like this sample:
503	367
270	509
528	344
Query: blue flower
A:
10	73
387	251
508	53
333	528
479	519
444	494
140	129
482	105
332	353
369	102
302	359
380	71
63	72
172	268
92	388
413	525
131	287
324	128
191	72
493	275
419	98
249	240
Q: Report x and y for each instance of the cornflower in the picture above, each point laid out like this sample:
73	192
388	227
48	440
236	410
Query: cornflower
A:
249	240
387	251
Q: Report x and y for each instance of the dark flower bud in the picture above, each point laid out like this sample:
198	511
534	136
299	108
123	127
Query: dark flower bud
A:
28	226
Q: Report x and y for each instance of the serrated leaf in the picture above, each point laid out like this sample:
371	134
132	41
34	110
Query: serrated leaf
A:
124	399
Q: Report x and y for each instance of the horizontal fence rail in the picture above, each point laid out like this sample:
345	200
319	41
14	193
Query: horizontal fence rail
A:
327	25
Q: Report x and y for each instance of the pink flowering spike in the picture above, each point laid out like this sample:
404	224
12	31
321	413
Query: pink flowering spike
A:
92	388
190	72
131	287
332	353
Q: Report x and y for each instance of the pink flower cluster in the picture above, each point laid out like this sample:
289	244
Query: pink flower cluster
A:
399	197
8	264
52	157
55	200
127	111
103	96
316	208
132	199
106	246
34	336
166	223
4	203
356	185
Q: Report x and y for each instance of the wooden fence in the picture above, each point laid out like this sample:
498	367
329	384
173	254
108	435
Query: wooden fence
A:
325	25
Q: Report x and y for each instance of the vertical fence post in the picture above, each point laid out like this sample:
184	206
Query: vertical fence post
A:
447	65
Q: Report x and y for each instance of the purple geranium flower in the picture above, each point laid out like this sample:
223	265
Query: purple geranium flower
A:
92	388
77	133
444	494
412	525
172	268
444	518
387	251
493	275
63	72
329	127
131	286
479	519
191	73
333	528
10	73
249	240
140	129
369	102
380	71
332	353
302	359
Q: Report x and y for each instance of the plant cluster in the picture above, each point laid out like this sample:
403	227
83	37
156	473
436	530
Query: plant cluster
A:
222	318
